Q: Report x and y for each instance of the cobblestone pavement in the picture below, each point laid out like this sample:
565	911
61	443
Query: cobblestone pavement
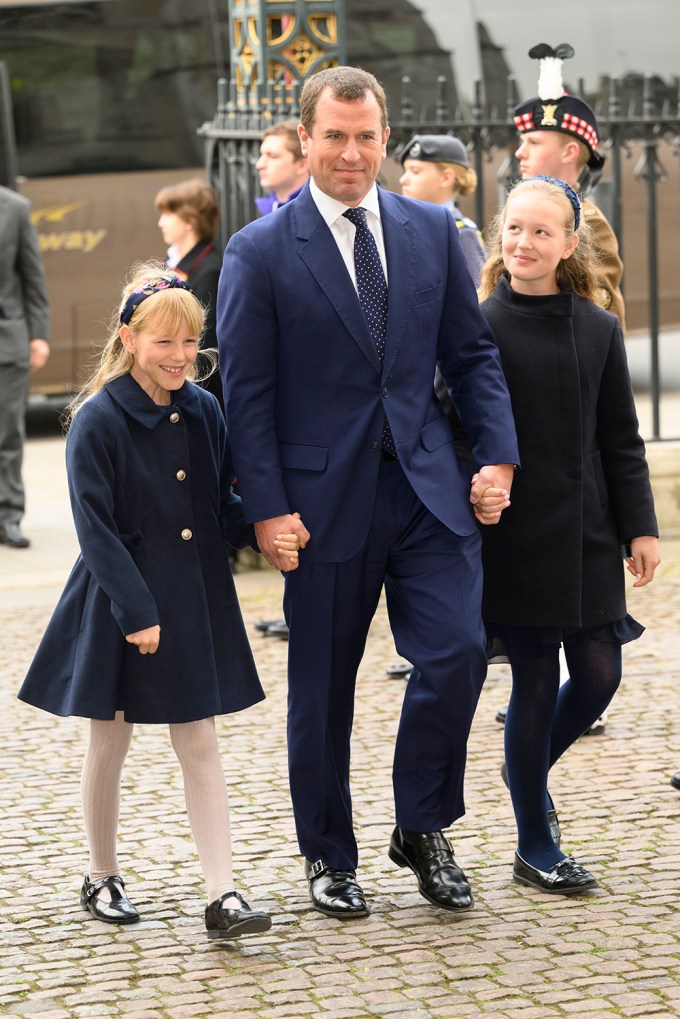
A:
519	954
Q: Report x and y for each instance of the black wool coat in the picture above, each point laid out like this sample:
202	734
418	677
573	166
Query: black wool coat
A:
154	509
555	558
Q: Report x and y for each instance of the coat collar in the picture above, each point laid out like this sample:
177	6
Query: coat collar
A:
129	395
543	304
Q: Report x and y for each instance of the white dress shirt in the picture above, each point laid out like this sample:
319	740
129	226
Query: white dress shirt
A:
343	231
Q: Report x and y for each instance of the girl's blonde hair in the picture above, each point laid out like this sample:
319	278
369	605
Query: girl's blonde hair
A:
165	311
578	273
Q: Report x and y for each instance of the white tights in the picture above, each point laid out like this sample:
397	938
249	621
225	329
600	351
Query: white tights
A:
205	792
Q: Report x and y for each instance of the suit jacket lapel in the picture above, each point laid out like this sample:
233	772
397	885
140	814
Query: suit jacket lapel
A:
320	254
402	254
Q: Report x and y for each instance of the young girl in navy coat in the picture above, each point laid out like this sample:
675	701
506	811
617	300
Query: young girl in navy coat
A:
148	628
552	566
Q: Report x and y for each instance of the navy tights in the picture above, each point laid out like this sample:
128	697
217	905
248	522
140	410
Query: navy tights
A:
543	720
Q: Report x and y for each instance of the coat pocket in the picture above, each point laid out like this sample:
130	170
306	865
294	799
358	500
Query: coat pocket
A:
302	457
436	434
600	480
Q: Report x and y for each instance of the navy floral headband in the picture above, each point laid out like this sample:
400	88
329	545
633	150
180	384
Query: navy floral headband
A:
168	281
571	195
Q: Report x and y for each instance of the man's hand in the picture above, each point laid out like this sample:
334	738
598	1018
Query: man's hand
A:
268	532
39	351
490	492
644	560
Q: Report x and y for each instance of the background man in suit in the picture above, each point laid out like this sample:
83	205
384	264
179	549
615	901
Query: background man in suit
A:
330	329
282	167
24	328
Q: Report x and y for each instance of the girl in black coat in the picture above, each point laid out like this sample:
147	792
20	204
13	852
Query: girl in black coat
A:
148	628
552	567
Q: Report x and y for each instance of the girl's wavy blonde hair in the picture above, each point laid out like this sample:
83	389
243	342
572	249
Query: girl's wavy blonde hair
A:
166	311
578	273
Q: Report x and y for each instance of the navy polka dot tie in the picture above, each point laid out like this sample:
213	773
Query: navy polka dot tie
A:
372	294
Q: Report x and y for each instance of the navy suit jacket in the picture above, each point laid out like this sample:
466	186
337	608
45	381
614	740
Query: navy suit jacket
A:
306	393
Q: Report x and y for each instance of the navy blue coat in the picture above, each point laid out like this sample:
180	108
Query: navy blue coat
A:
153	507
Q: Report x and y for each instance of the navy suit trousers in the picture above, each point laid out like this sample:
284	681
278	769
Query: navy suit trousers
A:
433	586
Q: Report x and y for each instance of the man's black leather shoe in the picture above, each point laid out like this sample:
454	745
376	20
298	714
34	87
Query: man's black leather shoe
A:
430	857
335	892
675	781
566	878
116	909
10	534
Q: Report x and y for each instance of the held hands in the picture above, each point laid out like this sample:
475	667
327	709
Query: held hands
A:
644	560
146	640
490	492
280	538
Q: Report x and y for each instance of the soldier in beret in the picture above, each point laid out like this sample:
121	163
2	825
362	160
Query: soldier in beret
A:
559	137
436	169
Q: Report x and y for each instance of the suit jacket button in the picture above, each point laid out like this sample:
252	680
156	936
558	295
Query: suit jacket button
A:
174	417
375	446
385	391
181	475
186	534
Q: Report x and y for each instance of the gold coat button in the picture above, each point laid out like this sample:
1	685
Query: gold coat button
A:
186	534
181	475
174	417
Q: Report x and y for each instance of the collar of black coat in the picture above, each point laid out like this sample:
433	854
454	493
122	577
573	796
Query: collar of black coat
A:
540	304
129	395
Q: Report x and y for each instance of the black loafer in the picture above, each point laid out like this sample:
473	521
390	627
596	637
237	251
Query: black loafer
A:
10	534
262	625
335	892
234	923
430	857
565	878
675	781
118	909
553	819
278	629
401	671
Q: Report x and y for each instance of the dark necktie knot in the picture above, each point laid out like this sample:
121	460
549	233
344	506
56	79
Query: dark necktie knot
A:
357	216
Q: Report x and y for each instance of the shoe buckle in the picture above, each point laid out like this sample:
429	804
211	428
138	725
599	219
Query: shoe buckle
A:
316	868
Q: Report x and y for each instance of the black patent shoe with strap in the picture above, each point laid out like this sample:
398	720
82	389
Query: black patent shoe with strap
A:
234	921
114	908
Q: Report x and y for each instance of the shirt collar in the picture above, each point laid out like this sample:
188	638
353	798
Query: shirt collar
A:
331	209
129	395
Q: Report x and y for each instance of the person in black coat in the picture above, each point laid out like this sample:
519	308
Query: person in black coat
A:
552	567
148	628
189	218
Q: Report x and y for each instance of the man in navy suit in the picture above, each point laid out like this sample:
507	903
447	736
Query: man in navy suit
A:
328	422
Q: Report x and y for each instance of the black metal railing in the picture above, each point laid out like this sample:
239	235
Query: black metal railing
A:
636	114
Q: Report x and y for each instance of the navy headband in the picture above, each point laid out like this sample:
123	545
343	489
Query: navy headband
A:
571	195
168	281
